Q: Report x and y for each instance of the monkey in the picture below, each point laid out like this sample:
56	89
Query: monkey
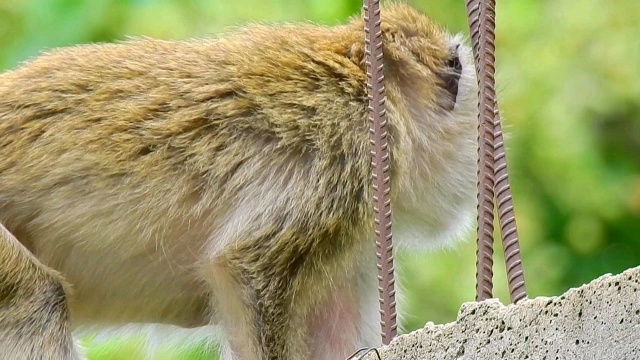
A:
226	181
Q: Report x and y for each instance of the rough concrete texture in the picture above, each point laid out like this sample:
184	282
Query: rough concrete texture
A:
598	321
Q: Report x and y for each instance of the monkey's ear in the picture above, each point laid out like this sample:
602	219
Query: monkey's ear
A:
390	34
391	31
356	54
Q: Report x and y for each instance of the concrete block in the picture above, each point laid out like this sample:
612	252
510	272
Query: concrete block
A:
599	321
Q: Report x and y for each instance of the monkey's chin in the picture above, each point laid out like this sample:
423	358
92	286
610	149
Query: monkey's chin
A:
420	232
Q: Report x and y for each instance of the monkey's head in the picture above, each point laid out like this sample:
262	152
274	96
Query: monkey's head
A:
431	93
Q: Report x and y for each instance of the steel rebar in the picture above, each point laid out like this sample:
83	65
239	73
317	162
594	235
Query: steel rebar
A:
380	163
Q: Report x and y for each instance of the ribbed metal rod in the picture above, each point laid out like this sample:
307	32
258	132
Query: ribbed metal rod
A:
507	217
380	164
481	15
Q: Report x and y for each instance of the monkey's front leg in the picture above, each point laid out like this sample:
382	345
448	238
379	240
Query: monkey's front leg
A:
34	318
257	313
298	314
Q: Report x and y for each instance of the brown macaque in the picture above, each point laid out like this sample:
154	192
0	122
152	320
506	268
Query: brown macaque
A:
225	181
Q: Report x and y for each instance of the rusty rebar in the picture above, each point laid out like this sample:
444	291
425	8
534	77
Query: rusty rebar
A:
481	17
507	217
380	164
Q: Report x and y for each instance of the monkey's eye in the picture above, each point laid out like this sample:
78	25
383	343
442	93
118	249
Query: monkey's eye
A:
454	63
450	77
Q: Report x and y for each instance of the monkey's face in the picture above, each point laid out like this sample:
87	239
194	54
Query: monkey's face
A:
425	64
432	108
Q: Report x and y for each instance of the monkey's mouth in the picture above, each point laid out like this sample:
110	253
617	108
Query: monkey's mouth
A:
450	77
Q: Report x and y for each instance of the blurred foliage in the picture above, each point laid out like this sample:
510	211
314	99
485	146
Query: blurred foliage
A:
569	85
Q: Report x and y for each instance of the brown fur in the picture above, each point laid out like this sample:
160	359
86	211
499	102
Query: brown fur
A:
224	181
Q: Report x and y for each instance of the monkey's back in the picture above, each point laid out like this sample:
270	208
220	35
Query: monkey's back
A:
123	153
147	106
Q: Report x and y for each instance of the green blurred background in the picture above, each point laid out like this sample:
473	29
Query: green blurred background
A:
568	74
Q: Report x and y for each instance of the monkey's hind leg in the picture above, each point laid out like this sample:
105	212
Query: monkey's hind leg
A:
34	318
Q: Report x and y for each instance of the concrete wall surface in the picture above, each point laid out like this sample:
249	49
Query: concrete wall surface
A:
599	321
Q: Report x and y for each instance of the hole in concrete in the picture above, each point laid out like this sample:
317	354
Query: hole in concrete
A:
502	326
